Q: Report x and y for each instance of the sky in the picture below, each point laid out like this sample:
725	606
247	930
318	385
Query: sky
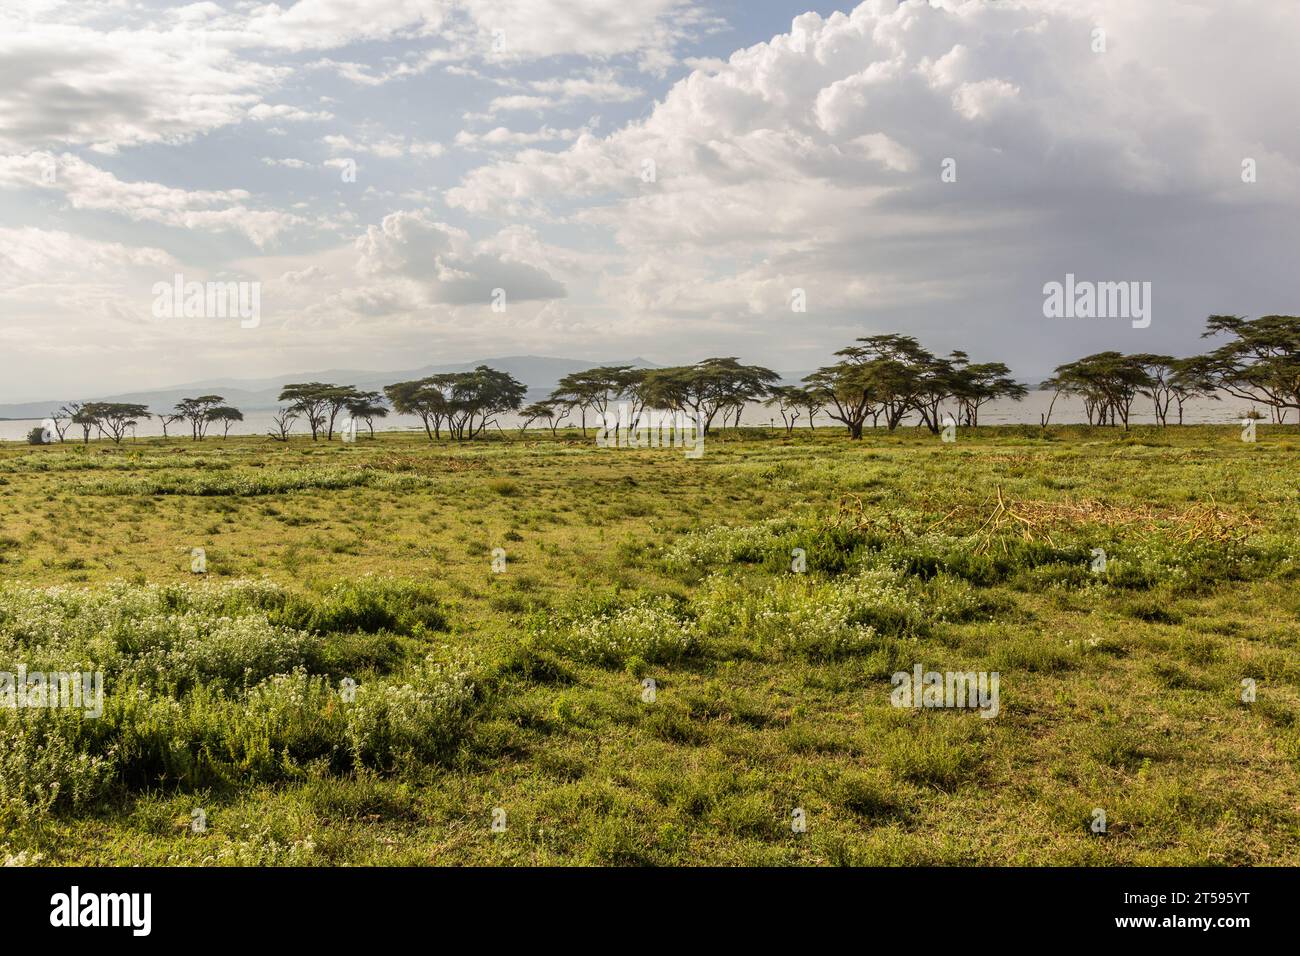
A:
430	182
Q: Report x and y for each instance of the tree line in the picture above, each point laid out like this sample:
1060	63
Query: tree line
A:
114	420
1260	363
882	379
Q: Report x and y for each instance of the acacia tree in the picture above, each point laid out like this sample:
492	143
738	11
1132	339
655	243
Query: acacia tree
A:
168	418
114	418
559	414
578	390
85	420
533	412
367	406
879	376
707	388
312	401
64	417
846	391
790	401
632	386
936	380
466	402
477	397
1108	383
1056	386
338	398
906	376
1193	378
976	385
811	402
1261	363
227	416
737	385
424	398
1160	370
672	388
595	388
196	410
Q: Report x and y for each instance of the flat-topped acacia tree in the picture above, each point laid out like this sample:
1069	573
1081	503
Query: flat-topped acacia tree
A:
196	411
227	416
115	418
1261	363
707	389
466	403
313	401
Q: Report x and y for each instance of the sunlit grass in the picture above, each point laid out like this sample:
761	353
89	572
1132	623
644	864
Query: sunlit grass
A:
525	688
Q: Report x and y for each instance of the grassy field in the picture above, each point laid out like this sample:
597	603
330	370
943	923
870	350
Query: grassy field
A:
521	691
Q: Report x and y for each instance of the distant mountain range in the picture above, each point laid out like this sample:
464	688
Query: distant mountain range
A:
539	373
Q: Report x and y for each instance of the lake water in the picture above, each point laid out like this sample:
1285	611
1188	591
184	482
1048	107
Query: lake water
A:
1027	412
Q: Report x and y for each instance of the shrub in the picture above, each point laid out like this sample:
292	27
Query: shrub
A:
371	604
803	615
750	544
795	616
203	688
419	718
651	629
42	769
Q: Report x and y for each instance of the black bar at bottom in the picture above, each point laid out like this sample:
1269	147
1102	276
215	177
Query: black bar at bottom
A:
335	906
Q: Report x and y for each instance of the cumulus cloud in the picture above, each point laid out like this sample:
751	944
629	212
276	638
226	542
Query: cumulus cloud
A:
919	166
449	267
814	160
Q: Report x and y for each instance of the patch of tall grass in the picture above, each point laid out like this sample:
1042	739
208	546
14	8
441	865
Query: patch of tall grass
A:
219	686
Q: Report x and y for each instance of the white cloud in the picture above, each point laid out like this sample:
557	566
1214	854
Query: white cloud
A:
87	187
598	85
116	76
810	160
328	24
814	159
649	29
263	112
447	266
70	84
520	101
45	259
66	297
385	147
503	138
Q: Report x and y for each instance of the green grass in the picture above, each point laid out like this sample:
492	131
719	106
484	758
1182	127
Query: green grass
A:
370	566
